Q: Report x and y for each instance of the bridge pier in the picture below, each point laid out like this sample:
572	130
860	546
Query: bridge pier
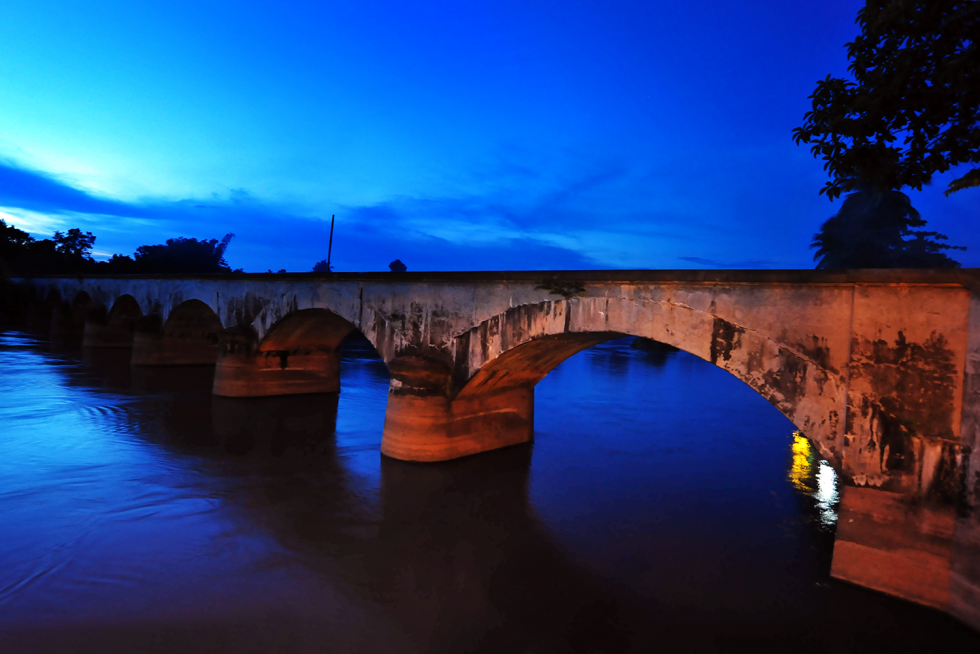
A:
100	334
422	423
894	546
157	349
115	328
189	338
919	551
68	320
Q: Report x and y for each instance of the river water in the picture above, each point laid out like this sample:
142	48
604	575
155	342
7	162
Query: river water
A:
663	506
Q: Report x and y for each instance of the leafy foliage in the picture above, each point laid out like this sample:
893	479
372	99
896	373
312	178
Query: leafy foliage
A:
875	230
322	267
13	241
69	252
184	255
913	107
397	266
74	244
66	253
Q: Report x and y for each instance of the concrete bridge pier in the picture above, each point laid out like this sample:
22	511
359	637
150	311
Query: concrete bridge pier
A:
435	414
113	329
68	319
909	549
188	338
299	355
423	423
38	315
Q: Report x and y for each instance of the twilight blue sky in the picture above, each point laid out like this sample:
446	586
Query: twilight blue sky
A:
452	135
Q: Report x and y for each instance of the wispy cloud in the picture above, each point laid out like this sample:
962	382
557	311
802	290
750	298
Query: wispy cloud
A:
33	190
744	263
465	232
592	215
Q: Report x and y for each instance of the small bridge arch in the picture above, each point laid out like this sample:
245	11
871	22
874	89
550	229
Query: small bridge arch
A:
297	354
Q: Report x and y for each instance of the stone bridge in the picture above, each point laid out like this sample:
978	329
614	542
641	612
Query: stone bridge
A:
879	369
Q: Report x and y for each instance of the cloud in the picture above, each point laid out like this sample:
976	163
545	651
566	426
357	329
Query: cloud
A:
41	192
745	263
435	233
593	214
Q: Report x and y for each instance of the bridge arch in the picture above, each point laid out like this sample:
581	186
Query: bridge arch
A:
498	362
523	344
311	329
125	310
189	337
298	354
193	319
113	328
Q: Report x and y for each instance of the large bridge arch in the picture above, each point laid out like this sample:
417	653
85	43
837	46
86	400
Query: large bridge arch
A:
489	397
520	347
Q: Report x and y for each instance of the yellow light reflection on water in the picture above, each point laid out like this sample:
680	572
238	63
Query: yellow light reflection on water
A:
815	477
802	466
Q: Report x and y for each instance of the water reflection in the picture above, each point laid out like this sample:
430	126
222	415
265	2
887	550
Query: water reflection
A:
820	484
298	426
140	513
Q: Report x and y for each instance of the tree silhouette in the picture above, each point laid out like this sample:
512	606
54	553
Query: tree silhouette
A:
875	230
397	266
74	245
13	242
322	267
68	252
912	108
182	255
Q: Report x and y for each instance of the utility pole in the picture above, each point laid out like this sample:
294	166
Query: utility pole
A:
330	247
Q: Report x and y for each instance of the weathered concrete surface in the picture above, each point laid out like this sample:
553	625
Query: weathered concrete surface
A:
886	543
880	369
965	565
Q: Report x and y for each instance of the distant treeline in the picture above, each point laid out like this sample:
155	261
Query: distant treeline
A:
70	253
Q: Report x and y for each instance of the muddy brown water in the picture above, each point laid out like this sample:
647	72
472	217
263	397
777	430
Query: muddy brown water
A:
663	506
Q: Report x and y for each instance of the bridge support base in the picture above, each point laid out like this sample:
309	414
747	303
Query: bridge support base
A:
67	323
38	315
154	347
916	552
243	372
101	334
435	428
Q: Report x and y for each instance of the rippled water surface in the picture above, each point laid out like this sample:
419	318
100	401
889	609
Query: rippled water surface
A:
664	506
